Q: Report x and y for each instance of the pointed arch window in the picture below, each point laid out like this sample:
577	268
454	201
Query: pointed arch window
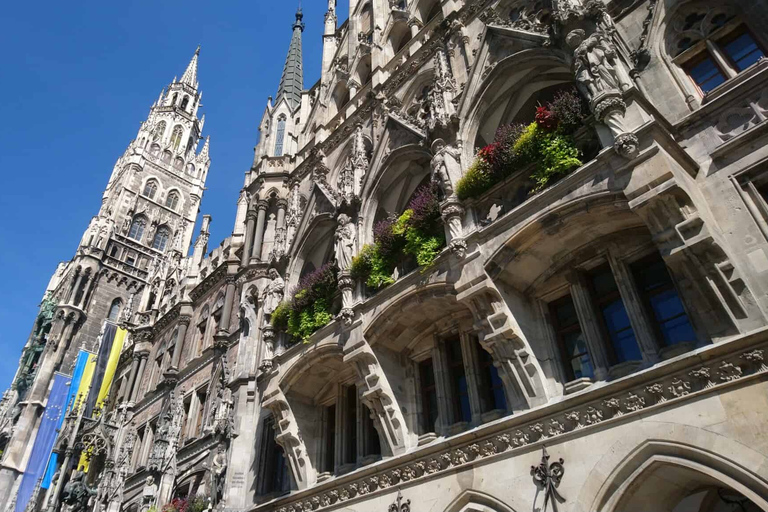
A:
150	189
138	226
191	169
176	137
161	239
184	103
279	136
158	132
172	201
114	310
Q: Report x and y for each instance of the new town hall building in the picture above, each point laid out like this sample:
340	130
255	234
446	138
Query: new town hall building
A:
503	256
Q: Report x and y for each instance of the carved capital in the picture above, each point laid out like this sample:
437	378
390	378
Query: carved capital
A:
262	204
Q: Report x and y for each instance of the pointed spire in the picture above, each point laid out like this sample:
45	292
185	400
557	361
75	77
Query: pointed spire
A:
292	81
190	75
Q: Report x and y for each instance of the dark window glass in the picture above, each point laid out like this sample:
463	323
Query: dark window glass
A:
460	391
762	189
372	445
275	477
137	228
351	424
662	301
330	439
428	396
706	74
614	314
114	310
742	50
491	385
571	340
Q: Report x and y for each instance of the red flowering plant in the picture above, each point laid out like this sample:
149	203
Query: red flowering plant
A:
545	118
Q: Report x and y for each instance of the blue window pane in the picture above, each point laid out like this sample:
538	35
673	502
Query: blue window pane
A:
707	75
499	400
279	136
743	51
672	319
466	411
576	350
620	332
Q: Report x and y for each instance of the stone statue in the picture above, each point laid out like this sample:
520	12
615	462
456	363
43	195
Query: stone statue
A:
218	472
148	493
346	237
596	64
77	493
273	294
446	165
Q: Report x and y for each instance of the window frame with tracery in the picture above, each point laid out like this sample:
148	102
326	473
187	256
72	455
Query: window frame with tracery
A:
150	189
280	135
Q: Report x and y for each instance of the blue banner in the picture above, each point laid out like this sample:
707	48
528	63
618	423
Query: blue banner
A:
77	374
46	436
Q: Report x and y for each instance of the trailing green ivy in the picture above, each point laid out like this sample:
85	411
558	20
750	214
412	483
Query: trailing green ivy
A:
309	308
546	142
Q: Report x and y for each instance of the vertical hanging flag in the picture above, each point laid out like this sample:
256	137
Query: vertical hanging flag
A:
105	350
83	358
46	436
109	373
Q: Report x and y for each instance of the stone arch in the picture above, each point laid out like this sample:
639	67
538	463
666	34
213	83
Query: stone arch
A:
315	247
389	186
398	37
475	501
502	89
428	9
687	450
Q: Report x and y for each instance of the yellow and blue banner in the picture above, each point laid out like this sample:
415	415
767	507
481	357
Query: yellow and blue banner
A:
78	387
46	437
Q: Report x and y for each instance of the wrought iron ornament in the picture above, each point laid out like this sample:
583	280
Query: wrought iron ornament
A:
547	478
399	505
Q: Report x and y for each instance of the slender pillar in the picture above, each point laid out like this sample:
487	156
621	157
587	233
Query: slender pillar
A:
73	292
176	356
282	206
229	298
259	238
250	226
587	315
132	376
139	376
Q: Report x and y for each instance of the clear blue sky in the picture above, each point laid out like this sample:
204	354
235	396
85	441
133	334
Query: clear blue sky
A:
76	81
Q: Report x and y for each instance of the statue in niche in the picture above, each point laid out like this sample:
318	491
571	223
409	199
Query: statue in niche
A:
446	165
346	236
218	472
596	65
273	294
148	493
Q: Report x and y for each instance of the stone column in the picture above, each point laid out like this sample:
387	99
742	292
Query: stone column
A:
73	292
259	237
282	206
250	226
183	325
226	310
588	319
445	412
139	376
469	354
132	377
452	213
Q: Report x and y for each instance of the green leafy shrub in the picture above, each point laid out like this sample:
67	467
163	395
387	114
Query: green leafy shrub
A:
417	232
545	142
309	308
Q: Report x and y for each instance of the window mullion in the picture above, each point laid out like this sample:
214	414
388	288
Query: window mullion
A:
638	318
472	375
720	59
446	414
589	321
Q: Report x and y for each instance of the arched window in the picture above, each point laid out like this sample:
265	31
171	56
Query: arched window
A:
161	239
114	310
711	44
279	136
166	158
154	149
138	226
150	189
178	163
191	169
184	103
176	137
175	97
157	133
172	201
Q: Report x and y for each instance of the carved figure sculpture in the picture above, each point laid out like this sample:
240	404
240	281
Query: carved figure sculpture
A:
77	493
346	237
273	294
446	165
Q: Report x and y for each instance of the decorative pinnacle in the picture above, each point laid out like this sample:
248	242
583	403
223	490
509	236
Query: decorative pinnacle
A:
190	75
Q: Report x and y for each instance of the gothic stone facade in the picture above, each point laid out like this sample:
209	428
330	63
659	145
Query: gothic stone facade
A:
617	317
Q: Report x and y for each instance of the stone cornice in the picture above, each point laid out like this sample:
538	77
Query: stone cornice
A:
685	378
209	282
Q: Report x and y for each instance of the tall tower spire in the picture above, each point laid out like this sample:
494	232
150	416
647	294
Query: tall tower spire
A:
190	75
292	81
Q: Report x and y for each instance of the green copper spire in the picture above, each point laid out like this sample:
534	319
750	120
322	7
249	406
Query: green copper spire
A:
292	81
